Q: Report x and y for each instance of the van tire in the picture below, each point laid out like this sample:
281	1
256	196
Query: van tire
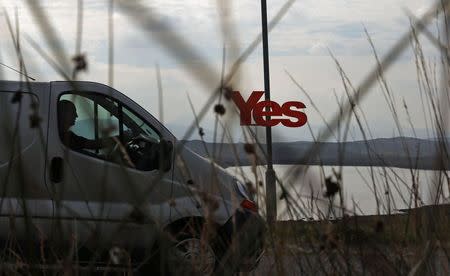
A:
171	257
191	252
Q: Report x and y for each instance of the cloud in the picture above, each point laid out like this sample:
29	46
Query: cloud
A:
299	44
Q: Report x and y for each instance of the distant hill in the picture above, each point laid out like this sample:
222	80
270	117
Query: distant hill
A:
403	152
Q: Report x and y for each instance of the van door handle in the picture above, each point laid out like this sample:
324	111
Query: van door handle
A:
56	169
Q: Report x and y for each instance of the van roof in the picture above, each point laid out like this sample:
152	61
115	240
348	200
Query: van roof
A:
9	85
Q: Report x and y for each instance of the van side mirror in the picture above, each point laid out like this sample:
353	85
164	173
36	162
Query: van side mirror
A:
165	155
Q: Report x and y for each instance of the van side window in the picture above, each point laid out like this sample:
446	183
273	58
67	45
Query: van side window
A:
104	128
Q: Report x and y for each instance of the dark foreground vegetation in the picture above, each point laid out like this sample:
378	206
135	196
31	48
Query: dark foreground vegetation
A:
396	244
405	227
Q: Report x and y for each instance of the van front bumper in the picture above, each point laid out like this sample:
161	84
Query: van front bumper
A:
244	235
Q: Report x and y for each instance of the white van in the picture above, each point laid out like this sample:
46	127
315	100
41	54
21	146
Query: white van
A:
85	171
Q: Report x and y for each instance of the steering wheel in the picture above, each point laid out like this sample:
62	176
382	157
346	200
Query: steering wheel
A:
114	153
143	151
128	137
140	150
134	147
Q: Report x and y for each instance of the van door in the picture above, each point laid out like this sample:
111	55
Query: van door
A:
103	164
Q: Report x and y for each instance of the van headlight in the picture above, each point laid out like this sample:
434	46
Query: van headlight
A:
241	189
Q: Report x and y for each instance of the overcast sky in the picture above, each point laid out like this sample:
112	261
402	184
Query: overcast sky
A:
299	44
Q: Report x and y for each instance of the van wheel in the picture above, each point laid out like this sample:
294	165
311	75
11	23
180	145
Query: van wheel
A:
191	253
189	249
183	249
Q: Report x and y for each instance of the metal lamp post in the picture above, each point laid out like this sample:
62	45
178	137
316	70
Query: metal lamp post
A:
271	197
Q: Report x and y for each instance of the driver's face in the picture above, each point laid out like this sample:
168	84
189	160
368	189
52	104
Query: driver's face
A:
71	116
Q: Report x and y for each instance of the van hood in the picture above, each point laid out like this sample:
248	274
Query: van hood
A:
216	188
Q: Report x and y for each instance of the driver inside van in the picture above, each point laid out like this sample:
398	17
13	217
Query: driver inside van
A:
67	115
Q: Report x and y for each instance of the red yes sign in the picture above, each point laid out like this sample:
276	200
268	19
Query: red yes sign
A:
297	118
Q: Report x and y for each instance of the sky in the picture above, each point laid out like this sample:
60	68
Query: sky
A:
301	43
